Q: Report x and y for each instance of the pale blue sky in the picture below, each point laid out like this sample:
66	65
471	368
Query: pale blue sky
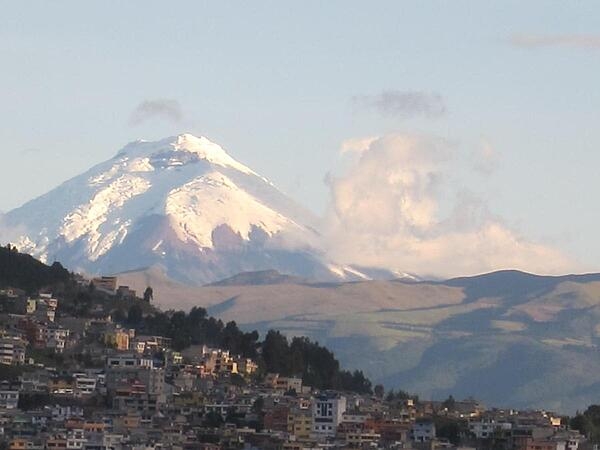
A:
274	83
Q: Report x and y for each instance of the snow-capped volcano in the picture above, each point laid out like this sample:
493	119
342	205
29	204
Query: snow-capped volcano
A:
182	203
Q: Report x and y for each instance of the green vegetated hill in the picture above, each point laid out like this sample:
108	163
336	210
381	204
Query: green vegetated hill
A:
298	356
27	273
508	338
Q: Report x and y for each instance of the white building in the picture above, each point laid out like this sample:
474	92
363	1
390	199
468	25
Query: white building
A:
76	439
354	418
60	413
34	381
45	307
12	350
84	385
56	337
128	360
423	431
9	399
327	413
486	428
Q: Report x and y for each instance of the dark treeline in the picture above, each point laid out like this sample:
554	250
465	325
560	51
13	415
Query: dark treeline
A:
193	328
22	271
588	423
315	364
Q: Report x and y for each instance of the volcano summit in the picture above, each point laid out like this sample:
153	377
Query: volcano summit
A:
181	203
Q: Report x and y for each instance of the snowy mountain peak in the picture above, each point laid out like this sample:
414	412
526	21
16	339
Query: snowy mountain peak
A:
179	150
181	203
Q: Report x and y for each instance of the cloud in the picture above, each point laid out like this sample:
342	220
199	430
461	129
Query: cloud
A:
486	159
395	207
583	41
403	104
357	145
166	109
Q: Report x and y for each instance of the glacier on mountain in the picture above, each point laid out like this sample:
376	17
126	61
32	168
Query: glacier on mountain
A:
182	203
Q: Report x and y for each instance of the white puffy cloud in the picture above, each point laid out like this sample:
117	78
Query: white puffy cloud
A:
357	145
390	209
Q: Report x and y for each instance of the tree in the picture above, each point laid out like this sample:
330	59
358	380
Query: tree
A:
588	423
258	405
24	272
118	316
400	396
258	409
275	352
148	295
449	404
379	390
135	315
448	428
237	380
213	419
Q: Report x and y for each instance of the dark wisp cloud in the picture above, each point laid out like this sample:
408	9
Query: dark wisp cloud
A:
162	108
404	104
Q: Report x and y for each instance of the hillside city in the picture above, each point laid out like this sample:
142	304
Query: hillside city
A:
301	225
88	364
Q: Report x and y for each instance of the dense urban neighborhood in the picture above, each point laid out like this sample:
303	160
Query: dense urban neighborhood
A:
87	364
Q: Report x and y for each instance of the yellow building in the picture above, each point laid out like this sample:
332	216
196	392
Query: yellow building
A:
31	305
118	339
300	424
56	443
132	421
94	427
189	400
18	444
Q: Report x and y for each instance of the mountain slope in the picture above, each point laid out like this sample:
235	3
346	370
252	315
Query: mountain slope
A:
508	338
181	203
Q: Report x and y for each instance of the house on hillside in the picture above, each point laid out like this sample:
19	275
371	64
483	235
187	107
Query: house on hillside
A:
12	349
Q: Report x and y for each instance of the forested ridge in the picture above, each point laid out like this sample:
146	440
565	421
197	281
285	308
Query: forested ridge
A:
315	364
22	271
